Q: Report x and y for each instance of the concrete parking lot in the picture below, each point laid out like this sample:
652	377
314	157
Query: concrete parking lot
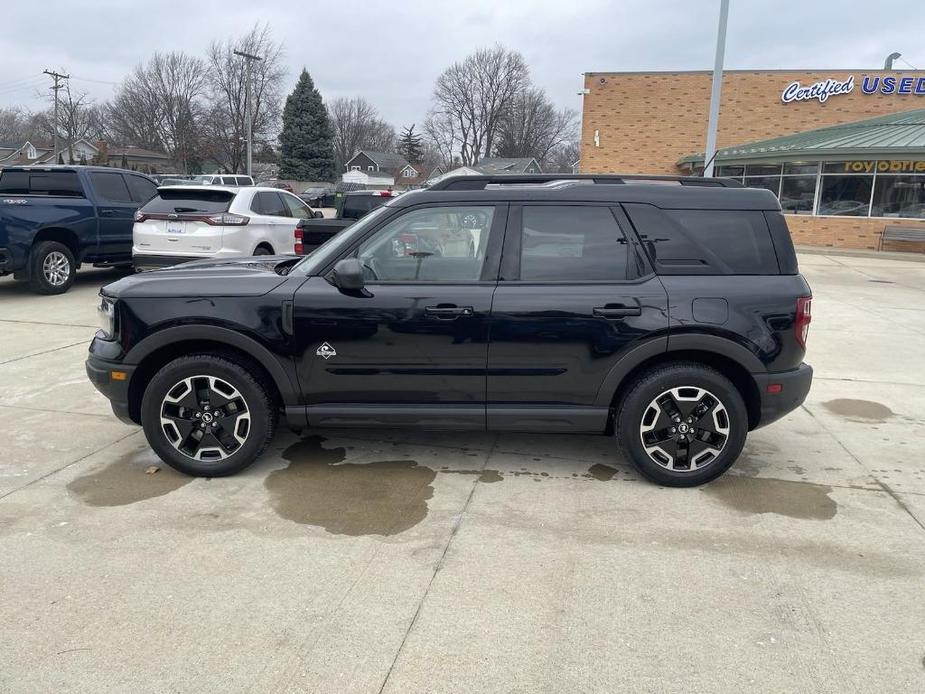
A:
405	562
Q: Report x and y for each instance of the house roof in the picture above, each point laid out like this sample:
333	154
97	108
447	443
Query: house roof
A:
135	152
894	134
384	160
492	165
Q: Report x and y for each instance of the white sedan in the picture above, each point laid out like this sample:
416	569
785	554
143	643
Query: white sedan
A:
193	222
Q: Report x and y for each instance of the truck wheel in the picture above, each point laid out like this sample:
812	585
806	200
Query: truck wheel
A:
207	416
682	424
53	269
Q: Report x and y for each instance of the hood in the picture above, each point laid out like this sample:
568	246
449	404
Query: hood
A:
249	276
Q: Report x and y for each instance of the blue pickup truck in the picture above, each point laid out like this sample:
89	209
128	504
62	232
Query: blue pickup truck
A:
53	219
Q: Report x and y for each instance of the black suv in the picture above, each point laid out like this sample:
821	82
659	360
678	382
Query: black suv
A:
668	312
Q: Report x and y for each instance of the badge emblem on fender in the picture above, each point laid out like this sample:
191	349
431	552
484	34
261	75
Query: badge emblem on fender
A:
326	351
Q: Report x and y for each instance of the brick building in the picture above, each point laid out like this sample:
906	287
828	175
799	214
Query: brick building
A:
844	150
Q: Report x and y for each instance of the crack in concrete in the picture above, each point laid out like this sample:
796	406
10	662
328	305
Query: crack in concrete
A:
437	567
47	351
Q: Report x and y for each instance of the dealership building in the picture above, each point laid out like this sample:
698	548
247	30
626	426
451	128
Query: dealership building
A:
843	150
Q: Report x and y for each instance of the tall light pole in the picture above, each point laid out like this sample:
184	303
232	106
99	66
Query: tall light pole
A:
57	77
248	116
710	153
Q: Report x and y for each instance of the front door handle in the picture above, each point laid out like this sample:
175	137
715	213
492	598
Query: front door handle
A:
107	213
616	311
448	312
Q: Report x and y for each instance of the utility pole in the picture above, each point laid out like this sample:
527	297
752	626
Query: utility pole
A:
57	77
248	59
710	153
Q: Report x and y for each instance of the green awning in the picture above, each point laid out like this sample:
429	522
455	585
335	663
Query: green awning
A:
894	135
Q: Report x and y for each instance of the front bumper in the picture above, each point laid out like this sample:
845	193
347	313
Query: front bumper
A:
793	388
106	376
156	262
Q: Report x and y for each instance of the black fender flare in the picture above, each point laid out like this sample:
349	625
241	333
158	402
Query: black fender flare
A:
674	343
283	377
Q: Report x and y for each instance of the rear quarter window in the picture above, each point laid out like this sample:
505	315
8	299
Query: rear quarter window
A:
57	183
705	242
200	201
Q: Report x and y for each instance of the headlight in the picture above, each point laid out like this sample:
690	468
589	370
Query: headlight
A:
106	315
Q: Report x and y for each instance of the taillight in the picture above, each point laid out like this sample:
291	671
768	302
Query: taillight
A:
140	216
802	320
297	247
226	219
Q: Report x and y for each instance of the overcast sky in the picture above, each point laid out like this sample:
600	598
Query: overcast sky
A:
391	51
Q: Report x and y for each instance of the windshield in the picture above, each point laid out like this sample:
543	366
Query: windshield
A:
331	248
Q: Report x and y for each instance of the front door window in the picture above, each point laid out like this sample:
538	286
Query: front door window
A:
438	244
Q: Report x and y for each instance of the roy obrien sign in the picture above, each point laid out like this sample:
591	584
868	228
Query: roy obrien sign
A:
870	84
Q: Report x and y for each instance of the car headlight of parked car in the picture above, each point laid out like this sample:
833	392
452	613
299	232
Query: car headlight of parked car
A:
106	316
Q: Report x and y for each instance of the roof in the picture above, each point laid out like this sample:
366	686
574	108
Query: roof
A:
894	134
384	160
698	194
505	164
134	152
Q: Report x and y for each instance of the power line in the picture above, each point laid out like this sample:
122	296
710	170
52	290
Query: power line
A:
86	79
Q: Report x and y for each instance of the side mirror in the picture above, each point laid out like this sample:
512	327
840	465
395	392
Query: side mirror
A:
348	275
318	214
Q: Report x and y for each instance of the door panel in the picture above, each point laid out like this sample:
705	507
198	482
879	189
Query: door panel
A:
568	308
412	346
116	211
386	347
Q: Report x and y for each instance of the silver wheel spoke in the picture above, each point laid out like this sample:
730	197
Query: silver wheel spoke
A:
684	428
205	418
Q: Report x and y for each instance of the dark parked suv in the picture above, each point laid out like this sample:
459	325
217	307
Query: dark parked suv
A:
668	312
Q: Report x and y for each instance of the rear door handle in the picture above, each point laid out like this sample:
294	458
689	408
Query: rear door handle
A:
448	312
611	311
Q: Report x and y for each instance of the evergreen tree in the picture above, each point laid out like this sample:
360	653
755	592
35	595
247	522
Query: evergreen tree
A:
306	141
410	145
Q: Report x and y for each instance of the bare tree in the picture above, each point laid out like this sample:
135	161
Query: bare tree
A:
471	98
441	139
563	157
78	118
357	125
159	106
16	125
225	121
533	127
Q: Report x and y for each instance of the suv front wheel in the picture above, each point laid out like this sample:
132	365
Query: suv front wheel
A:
207	416
682	424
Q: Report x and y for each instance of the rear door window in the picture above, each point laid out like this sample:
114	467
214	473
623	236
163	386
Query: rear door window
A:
59	183
110	187
565	243
269	203
355	206
715	242
142	189
185	201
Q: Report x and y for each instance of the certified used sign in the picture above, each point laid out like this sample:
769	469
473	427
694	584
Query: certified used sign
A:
870	84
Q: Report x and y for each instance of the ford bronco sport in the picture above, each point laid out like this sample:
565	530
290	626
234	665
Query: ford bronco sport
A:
666	312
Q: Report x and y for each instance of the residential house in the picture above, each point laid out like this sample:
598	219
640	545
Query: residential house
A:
378	162
412	176
369	179
83	152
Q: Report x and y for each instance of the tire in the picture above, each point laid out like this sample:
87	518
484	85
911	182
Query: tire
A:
682	396
186	396
52	268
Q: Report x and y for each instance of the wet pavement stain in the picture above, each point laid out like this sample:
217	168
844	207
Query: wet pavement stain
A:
384	497
762	495
125	481
859	410
602	473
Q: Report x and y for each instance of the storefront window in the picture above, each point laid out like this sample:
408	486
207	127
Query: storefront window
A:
899	196
798	194
845	195
771	183
800	167
730	171
762	170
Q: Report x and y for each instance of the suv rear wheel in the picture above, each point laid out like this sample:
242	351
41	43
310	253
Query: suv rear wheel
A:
682	425
53	268
207	416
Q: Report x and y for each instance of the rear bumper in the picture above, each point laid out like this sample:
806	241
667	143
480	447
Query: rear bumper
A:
794	387
156	262
100	373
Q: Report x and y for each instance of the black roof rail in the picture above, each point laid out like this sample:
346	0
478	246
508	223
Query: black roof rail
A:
481	182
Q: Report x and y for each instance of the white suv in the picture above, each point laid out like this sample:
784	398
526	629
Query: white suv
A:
193	222
224	180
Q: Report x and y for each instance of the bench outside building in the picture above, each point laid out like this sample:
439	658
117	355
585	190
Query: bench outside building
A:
897	232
